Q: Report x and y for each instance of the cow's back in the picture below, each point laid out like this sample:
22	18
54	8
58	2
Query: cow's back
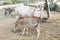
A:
29	22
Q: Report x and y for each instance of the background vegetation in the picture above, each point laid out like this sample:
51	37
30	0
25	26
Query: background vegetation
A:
13	2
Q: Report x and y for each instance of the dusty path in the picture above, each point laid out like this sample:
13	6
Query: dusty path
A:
49	31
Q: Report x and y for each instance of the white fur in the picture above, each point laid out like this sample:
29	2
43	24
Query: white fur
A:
24	10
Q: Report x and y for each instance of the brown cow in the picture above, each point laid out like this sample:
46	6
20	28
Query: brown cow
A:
28	22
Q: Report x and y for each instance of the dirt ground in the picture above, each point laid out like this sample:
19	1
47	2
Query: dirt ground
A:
49	30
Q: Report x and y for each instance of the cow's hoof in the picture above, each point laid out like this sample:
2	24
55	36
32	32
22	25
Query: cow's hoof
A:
13	30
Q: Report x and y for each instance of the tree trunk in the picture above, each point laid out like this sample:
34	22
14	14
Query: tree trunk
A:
48	9
25	2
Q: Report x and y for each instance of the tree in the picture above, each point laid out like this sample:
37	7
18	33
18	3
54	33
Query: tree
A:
48	9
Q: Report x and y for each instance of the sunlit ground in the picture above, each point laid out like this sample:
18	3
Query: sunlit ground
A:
49	30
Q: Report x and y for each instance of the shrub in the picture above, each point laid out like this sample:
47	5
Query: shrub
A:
55	7
7	3
13	2
16	1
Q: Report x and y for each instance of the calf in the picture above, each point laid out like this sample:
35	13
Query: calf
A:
8	11
28	22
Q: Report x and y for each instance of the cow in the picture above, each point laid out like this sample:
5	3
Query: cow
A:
8	11
28	23
28	17
27	11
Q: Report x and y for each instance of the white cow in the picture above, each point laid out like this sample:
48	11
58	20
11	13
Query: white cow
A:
24	11
27	11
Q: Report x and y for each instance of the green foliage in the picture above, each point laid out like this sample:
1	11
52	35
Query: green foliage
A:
7	3
55	7
16	1
32	1
13	2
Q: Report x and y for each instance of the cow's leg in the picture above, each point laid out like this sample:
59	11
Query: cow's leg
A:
38	31
24	31
16	19
15	28
5	12
10	12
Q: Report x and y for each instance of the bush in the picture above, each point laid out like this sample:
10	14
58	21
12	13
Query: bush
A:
16	1
13	2
7	3
31	1
55	7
